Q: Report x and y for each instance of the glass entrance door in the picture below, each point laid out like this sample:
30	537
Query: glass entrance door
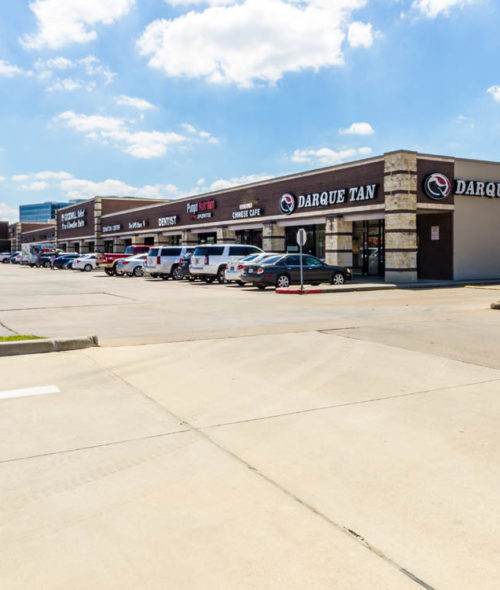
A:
368	247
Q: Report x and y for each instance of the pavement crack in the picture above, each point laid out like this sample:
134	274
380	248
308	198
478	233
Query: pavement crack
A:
338	526
7	328
90	447
346	404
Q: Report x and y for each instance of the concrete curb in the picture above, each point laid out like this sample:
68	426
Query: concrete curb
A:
47	345
339	289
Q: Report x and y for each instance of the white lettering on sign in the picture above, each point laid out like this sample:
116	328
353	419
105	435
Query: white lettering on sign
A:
72	215
166	221
109	228
365	192
477	188
137	224
77	223
246	206
435	232
247	213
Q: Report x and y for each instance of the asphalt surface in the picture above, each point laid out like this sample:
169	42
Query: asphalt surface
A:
339	441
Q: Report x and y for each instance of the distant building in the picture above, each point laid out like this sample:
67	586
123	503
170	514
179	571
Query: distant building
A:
40	212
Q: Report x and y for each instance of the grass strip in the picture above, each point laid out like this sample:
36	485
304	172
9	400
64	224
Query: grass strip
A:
20	337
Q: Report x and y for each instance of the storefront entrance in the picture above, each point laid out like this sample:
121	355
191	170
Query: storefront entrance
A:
315	243
207	238
368	253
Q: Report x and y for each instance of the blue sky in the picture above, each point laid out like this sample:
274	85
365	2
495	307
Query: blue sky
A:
166	98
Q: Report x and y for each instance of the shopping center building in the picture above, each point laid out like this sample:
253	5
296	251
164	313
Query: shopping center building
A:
402	216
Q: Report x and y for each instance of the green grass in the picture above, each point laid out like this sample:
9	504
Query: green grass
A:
19	337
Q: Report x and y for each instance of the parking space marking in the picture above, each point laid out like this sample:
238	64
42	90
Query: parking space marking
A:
42	390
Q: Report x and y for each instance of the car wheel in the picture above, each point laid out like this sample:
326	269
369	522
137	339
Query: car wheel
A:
46	264
337	279
191	279
87	268
221	275
110	272
282	282
177	273
240	283
261	287
209	280
138	271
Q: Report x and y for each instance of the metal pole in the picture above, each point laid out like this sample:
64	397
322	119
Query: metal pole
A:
301	271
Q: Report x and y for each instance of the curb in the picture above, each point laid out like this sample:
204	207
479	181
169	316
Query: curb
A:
341	289
495	305
47	345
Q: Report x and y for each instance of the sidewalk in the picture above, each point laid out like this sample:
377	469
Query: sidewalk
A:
373	284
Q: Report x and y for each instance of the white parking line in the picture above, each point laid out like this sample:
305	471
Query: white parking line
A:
42	390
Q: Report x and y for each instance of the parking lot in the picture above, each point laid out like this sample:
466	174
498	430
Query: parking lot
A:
224	437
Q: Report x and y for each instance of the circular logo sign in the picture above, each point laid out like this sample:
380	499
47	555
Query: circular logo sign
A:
437	186
287	204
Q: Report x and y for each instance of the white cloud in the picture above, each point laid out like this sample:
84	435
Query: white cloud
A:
139	144
20	177
2	178
9	70
360	35
204	135
223	183
79	188
495	92
37	185
253	40
434	8
67	84
465	121
59	63
49	175
199	2
329	157
358	129
61	22
8	213
137	103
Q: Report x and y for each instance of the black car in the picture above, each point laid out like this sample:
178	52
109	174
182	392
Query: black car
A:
64	261
45	260
282	271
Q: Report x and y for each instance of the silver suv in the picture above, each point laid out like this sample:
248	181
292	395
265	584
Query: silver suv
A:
209	261
164	261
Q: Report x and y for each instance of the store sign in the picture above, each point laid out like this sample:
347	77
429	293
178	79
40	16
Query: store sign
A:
477	188
289	203
168	221
111	228
246	213
247	206
201	209
437	186
138	224
73	219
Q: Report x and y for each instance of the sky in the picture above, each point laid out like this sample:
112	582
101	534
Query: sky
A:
171	98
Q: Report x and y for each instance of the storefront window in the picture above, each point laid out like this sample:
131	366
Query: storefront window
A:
368	247
108	246
315	243
251	237
149	241
208	238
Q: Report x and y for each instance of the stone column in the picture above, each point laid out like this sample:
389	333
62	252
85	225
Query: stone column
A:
119	246
189	239
84	247
225	235
137	240
161	240
98	241
273	238
400	186
338	241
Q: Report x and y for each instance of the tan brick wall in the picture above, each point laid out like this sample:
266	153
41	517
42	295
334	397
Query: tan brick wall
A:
338	241
273	238
225	235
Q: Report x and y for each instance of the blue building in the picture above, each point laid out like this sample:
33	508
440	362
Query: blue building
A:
40	212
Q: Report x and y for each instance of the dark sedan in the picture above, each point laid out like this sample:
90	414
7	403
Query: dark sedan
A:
64	261
282	271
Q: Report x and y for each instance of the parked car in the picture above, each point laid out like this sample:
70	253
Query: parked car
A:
164	261
15	258
235	268
108	260
284	270
5	257
65	261
209	262
85	263
133	266
47	258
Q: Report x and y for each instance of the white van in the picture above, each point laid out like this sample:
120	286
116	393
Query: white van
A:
163	261
209	261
